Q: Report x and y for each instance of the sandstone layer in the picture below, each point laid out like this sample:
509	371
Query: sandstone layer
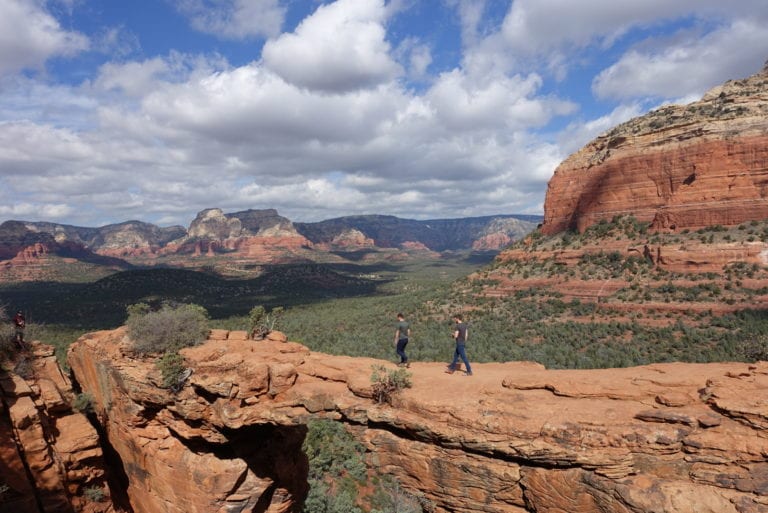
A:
690	260
515	437
688	166
689	256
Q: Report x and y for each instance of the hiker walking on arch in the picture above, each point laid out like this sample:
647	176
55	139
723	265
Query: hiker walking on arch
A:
402	334
460	335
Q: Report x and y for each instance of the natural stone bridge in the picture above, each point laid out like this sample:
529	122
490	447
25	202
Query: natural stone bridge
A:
514	437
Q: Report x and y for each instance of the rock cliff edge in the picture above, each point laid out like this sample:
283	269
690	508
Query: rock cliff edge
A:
515	437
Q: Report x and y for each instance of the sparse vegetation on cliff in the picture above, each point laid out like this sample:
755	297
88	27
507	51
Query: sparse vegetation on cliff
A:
94	493
261	322
6	335
169	328
82	403
171	366
387	382
25	366
165	331
599	299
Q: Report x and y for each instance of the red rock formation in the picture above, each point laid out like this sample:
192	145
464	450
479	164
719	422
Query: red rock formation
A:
261	234
262	245
352	238
30	254
492	241
416	246
687	257
234	244
688	166
49	454
682	260
268	247
513	438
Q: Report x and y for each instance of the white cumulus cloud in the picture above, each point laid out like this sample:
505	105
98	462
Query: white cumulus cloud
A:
30	35
348	112
341	47
687	65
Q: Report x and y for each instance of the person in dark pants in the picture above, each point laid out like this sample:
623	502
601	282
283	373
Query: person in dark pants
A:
402	334
19	323
460	335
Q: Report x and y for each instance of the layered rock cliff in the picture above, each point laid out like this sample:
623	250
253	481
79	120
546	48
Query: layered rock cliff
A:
627	273
680	166
131	238
51	459
675	200
515	437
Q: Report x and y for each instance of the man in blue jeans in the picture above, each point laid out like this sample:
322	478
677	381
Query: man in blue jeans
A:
460	334
402	334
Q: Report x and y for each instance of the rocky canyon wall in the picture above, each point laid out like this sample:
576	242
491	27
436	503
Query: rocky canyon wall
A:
51	459
515	437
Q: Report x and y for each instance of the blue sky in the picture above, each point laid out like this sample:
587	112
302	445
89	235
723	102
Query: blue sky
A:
156	109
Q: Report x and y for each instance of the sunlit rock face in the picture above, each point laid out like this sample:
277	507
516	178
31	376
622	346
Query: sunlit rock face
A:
515	437
51	458
680	166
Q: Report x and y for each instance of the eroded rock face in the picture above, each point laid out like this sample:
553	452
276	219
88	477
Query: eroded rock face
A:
680	167
251	234
133	239
691	259
51	459
514	437
352	238
213	224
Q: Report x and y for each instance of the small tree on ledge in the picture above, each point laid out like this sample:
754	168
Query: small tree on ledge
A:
385	383
261	322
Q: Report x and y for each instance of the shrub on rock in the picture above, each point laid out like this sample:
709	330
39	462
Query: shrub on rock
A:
170	328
